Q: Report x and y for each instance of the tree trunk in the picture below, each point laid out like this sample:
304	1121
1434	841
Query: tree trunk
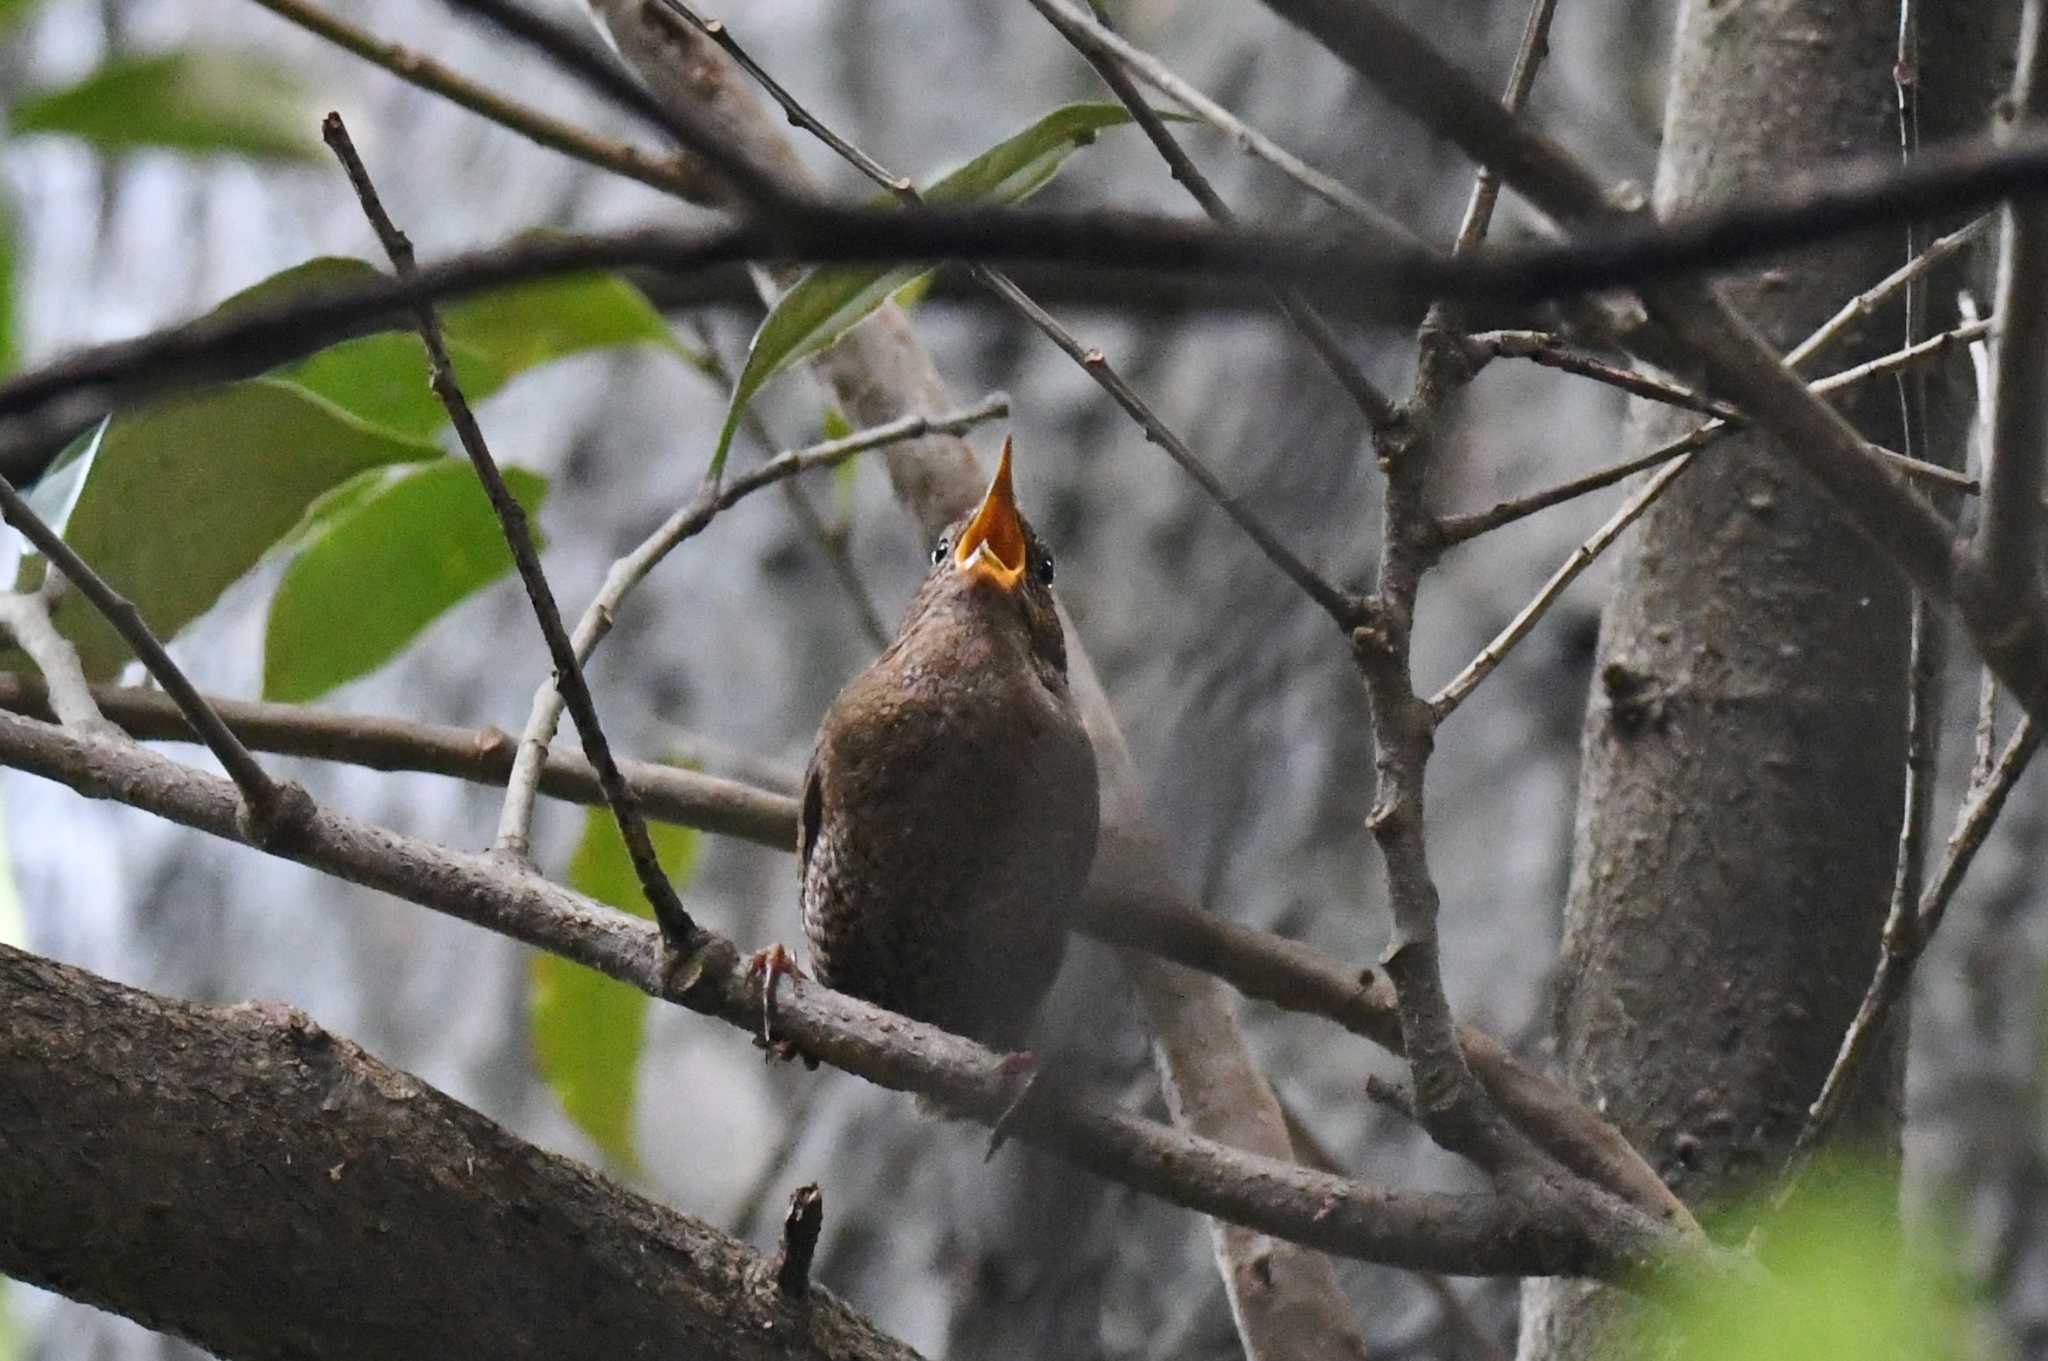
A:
1741	791
244	1179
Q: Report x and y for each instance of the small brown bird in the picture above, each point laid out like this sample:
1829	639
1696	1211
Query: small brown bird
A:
949	809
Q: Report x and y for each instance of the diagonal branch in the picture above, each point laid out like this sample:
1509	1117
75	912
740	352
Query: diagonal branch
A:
677	929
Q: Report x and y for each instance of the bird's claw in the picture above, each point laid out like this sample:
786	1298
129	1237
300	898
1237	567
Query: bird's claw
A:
1012	1067
771	965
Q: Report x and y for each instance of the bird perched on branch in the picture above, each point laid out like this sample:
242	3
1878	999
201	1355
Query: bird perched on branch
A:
949	809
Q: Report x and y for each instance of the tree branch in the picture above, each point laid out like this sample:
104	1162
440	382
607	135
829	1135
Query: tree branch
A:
1545	1232
2007	548
174	1162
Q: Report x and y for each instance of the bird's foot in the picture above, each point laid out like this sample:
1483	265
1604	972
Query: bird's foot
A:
771	965
1020	1070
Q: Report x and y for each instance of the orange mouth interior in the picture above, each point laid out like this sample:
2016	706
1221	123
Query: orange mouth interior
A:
992	545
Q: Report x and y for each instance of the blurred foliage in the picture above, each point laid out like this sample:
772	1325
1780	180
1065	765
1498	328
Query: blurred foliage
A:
9	353
1842	1284
206	103
13	12
588	1029
827	303
384	562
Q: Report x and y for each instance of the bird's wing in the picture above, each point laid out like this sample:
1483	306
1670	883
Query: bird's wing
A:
807	828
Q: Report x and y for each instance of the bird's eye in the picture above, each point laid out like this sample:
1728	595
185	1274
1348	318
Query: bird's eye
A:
1045	569
939	550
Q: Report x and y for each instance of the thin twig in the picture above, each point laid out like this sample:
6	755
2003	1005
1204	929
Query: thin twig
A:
1081	29
656	171
1456	529
516	818
677	929
1321	337
832	544
2010	523
1534	47
1552	352
1338	604
273	810
1905	938
1868	301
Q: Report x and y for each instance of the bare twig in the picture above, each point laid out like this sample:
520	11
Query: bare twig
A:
516	817
2007	545
656	171
830	542
1529	55
728	807
1378	408
1550	351
1868	301
1340	605
273	810
677	929
1905	937
1081	29
1455	691
26	617
800	1229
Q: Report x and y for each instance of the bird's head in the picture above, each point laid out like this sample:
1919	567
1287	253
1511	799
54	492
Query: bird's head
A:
991	570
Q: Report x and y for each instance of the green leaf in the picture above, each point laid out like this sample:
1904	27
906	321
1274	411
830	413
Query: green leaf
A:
180	499
390	559
827	303
1841	1285
198	102
587	1029
492	339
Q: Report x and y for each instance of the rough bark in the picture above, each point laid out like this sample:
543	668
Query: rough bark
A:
245	1179
1744	750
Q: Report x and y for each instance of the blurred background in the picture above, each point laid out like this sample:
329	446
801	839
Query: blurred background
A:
1240	702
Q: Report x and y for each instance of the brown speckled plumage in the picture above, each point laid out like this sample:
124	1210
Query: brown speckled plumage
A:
949	810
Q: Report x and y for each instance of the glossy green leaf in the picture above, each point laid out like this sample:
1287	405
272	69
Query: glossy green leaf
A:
197	102
181	499
588	1029
827	303
388	560
382	378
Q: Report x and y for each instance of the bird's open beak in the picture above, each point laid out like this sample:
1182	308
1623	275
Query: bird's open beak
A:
992	545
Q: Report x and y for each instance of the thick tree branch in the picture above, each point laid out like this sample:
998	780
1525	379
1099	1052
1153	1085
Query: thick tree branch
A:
173	1163
1545	1231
